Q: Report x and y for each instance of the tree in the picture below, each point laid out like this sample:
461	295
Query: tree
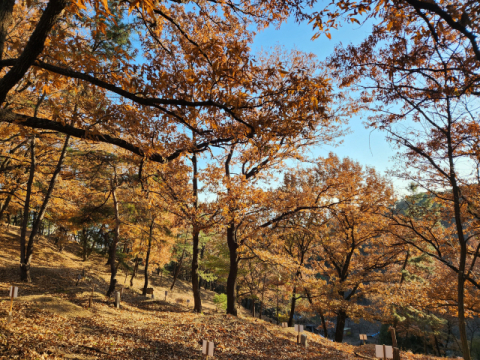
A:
180	193
425	76
299	241
343	251
212	69
26	248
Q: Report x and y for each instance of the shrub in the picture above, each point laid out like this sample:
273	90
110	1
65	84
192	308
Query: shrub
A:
220	301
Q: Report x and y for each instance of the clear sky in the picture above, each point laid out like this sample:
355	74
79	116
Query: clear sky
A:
362	145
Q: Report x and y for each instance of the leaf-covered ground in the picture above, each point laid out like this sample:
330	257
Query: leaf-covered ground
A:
52	319
148	330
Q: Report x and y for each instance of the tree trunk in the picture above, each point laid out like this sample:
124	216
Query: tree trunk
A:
197	300
233	271
341	317
324	324
147	260
292	306
461	314
135	268
6	18
113	247
24	261
85	244
320	313
437	346
177	270
463	251
195	283
26	254
110	260
263	295
4	207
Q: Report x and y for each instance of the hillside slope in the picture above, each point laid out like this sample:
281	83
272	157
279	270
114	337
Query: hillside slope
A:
52	319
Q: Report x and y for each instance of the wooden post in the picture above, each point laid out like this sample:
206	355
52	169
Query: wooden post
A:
11	302
396	353
117	299
384	353
303	340
13	295
396	350
299	329
166	293
394	337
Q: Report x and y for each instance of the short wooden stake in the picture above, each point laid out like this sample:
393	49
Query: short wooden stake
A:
13	295
303	340
299	329
166	293
117	299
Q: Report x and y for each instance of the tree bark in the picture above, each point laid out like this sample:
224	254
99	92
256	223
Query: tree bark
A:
110	260
341	317
177	270
263	296
197	307
233	271
232	248
5	206
292	306
113	247
6	17
463	246
24	264
324	324
195	283
134	272
147	260
85	244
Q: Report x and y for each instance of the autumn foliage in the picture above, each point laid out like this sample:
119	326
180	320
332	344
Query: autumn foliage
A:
149	133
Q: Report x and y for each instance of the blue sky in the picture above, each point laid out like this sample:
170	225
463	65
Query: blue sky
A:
362	145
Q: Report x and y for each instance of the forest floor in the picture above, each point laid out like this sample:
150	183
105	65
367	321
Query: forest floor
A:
52	320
